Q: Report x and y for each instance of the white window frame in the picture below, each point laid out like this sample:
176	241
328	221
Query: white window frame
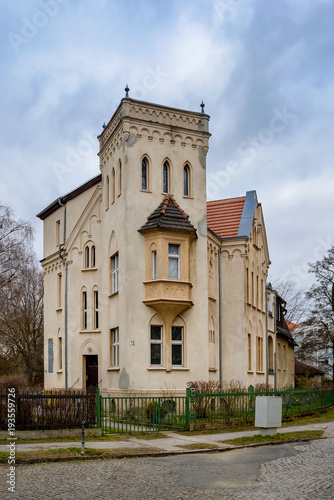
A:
156	342
114	273
154	264
84	310
177	343
175	257
114	337
96	309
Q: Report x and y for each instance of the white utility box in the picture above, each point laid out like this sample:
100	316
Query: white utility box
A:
268	414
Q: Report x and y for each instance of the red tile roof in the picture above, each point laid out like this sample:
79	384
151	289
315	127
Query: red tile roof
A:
224	216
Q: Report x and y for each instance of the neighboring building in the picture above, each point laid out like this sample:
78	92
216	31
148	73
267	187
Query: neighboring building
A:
304	371
134	300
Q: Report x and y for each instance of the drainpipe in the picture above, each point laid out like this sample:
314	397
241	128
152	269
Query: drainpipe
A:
220	321
268	289
61	246
275	332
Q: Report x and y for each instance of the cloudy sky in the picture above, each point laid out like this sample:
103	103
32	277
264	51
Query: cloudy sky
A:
264	69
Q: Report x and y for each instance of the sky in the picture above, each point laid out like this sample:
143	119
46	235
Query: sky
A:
264	69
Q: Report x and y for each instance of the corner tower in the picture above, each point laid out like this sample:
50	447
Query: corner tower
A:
153	165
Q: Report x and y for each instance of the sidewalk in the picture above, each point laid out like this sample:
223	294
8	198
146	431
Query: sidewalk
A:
171	443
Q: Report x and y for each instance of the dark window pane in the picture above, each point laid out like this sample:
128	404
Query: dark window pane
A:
186	181
176	354
155	354
177	333
144	174
155	332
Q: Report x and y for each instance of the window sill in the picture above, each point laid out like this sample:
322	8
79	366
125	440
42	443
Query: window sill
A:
113	294
188	197
89	269
59	371
260	372
113	369
250	371
90	331
59	309
213	370
158	367
145	191
180	368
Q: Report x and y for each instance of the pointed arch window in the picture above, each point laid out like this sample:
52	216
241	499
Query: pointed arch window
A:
107	193
87	257
144	174
186	181
119	177
166	177
113	186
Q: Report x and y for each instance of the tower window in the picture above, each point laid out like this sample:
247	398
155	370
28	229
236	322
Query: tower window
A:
144	174
174	262
156	345
186	181
165	174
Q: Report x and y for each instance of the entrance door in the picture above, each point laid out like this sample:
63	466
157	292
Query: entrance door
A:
92	371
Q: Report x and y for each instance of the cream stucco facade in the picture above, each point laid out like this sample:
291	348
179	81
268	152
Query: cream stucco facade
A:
133	297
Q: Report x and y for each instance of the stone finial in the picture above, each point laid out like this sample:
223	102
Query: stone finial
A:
127	90
202	106
104	125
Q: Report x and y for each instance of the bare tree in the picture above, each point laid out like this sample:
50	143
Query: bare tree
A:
21	323
15	238
296	304
319	334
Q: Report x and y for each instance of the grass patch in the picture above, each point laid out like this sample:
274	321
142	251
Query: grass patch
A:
105	438
73	453
198	446
288	436
316	418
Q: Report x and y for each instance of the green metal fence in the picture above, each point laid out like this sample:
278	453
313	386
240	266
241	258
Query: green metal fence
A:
141	414
149	414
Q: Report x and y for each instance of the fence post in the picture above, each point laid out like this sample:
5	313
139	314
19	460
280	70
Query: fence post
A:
251	400
98	408
187	408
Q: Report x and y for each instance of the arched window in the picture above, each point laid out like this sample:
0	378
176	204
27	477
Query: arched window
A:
84	310
271	354
113	185
144	174
165	177
93	261
119	177
186	180
107	193
87	257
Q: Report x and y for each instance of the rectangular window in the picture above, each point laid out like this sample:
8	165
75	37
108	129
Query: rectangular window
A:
259	354
59	291
249	352
247	284
253	297
278	356
177	345
96	310
50	355
174	262
262	295
284	357
154	265
114	354
84	310
58	233
257	291
156	345
60	352
114	273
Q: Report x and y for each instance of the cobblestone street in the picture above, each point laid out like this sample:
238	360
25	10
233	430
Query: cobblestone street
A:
289	471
